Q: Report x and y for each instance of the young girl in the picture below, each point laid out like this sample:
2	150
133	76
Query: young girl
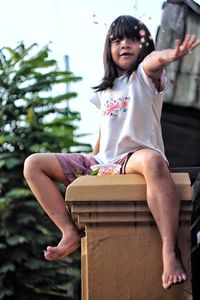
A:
130	99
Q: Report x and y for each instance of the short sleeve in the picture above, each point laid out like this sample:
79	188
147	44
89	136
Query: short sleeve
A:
149	83
95	99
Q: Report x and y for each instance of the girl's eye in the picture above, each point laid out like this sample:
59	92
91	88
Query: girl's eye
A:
116	41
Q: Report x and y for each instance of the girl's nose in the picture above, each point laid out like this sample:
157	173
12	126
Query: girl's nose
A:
125	43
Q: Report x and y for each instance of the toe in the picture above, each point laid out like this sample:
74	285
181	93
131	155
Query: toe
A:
175	279
49	254
168	282
165	281
184	277
180	279
46	255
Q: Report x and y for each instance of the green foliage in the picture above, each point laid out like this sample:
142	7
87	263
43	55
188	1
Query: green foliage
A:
33	118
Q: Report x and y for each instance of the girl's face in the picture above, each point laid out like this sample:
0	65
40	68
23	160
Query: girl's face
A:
124	54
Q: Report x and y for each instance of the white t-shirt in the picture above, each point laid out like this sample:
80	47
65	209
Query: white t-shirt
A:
131	113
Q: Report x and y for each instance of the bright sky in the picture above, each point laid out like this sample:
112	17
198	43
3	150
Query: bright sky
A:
77	28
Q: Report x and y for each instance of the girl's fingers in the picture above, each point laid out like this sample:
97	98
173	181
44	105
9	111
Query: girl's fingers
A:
181	49
186	40
177	46
191	41
195	44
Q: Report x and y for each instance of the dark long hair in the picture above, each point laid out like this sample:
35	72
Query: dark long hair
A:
129	27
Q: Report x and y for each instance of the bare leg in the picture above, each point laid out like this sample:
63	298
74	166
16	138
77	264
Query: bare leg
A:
163	201
40	171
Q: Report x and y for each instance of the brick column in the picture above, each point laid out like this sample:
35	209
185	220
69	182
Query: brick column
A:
121	252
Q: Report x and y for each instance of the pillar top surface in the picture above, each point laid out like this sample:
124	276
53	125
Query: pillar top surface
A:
119	188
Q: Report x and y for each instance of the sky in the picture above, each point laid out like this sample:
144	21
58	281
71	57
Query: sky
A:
76	28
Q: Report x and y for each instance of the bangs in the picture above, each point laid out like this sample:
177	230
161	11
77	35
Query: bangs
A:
125	26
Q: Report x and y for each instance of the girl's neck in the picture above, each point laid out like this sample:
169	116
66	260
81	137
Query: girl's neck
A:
121	73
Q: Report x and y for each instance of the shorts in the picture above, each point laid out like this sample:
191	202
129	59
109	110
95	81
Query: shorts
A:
123	162
76	164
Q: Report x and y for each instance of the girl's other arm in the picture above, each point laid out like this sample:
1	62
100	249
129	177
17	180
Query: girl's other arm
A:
154	63
97	145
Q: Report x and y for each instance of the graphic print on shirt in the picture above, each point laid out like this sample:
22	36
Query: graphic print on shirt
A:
113	106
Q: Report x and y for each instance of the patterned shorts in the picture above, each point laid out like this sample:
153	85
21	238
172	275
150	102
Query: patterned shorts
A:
75	164
123	162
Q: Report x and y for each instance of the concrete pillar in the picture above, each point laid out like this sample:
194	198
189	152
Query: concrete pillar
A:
121	252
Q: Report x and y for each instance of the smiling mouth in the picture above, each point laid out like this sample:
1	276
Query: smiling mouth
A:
125	54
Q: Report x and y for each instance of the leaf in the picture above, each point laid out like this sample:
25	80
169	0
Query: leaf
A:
5	292
42	229
4	204
2	246
12	162
15	240
95	172
26	219
19	192
33	264
7	267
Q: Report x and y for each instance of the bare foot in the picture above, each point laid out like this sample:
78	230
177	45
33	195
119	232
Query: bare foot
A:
64	248
174	272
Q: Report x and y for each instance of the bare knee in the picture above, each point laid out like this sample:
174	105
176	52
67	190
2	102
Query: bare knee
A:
154	164
32	165
44	164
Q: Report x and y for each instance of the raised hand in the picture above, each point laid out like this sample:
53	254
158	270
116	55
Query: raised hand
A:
181	49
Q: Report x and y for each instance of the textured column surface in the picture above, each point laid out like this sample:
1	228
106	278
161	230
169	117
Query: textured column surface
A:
121	252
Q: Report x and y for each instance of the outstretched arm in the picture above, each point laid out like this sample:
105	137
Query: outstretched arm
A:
154	63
